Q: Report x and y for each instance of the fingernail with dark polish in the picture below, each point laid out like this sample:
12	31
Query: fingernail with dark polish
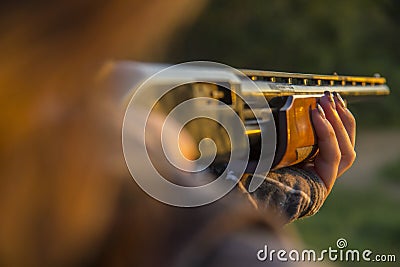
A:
321	111
330	97
340	100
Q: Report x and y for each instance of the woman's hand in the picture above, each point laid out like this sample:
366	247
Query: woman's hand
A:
335	128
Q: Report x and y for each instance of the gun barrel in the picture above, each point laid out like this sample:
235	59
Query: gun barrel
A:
274	84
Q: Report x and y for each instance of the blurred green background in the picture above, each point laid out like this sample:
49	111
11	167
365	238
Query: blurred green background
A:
353	37
357	37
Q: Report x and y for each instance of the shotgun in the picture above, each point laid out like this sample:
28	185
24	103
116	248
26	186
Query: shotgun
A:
289	97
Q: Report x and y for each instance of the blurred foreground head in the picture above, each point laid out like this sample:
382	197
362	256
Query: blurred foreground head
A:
61	164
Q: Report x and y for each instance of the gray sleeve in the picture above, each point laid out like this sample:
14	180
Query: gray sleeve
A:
291	192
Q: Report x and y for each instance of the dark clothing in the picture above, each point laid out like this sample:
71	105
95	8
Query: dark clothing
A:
228	232
291	192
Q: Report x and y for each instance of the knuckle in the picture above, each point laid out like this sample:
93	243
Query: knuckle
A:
332	134
337	157
349	158
353	156
350	117
352	120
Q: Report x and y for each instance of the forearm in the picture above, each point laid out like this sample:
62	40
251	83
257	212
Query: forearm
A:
291	192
